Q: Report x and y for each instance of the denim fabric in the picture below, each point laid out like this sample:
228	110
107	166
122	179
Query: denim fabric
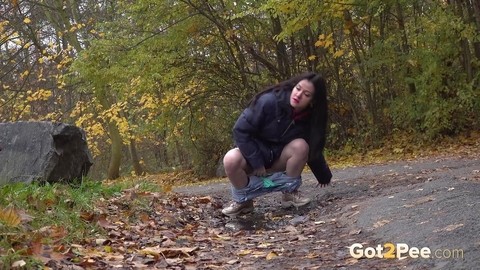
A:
259	186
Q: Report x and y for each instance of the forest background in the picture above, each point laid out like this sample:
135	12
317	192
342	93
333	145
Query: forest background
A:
158	85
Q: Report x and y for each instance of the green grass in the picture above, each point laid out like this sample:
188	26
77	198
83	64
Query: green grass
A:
44	206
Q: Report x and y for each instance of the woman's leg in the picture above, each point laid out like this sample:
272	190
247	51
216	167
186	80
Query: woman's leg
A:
236	168
293	158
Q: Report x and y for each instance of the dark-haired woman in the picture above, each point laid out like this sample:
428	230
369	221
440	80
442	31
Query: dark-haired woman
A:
282	130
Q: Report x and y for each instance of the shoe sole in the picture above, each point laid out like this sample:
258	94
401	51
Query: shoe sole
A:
290	204
241	212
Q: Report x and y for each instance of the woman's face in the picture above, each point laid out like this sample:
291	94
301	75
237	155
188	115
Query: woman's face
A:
302	95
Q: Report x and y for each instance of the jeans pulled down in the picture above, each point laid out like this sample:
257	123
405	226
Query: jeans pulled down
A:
259	186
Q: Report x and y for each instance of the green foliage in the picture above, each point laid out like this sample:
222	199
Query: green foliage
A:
444	100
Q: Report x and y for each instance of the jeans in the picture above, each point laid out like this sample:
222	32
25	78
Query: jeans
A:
259	186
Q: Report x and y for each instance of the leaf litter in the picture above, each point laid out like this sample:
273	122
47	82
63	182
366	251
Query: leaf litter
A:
149	230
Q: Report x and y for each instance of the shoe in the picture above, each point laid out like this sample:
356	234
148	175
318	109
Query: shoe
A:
294	199
236	208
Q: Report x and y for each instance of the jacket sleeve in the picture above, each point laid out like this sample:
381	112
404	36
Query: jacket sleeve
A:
248	125
320	169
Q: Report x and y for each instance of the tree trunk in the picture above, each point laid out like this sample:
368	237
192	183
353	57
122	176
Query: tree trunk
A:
115	138
370	94
405	46
281	50
465	52
137	167
116	152
474	10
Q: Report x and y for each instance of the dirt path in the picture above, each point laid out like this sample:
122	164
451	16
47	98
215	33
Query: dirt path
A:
429	205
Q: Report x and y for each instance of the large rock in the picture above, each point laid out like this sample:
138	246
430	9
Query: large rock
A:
42	151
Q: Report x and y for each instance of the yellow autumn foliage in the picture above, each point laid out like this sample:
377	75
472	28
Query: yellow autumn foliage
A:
40	95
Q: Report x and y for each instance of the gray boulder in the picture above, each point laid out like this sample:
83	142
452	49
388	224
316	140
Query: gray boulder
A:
42	151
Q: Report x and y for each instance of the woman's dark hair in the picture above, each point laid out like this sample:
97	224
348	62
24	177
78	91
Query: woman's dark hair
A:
319	115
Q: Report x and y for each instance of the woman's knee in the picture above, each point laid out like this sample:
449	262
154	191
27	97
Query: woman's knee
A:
299	147
232	160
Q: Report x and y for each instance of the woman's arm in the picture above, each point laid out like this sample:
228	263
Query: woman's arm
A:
248	126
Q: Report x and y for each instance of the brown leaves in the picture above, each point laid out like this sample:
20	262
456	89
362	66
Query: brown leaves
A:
147	230
46	253
159	252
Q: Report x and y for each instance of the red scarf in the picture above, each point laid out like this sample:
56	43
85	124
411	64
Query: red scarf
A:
300	115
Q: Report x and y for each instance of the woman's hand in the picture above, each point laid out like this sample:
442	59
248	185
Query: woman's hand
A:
260	171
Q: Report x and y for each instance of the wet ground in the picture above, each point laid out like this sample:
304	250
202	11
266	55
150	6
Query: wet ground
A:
423	213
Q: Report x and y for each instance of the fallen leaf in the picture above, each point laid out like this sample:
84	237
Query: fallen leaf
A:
351	261
87	216
259	254
234	261
58	232
167	252
108	249
301	238
264	245
10	217
144	217
380	223
354	232
291	229
19	264
204	200
312	255
271	255
424	200
244	252
168	243
102	242
167	188
449	228
104	223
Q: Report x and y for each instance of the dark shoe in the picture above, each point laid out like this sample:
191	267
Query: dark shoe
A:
294	199
236	208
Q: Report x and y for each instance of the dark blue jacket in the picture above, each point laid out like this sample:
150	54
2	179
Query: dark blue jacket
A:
264	128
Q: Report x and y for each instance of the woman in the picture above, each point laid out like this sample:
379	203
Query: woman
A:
283	129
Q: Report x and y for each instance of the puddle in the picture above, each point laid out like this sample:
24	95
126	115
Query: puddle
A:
251	222
258	221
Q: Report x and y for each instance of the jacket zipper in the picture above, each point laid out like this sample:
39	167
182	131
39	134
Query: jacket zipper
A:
289	125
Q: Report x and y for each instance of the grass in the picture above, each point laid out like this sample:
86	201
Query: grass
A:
54	214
